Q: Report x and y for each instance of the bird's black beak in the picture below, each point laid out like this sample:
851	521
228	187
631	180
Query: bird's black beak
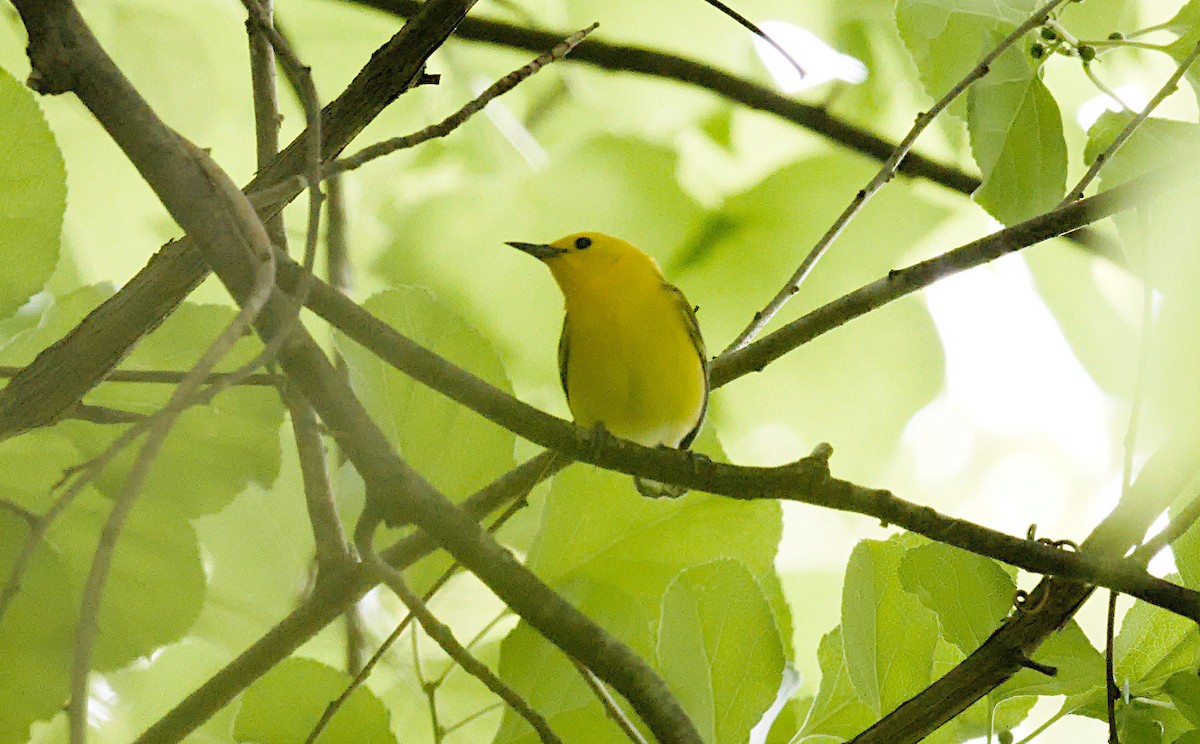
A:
539	251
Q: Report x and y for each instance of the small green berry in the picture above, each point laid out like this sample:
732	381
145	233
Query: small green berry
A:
1087	53
1049	34
1005	737
1037	51
1116	36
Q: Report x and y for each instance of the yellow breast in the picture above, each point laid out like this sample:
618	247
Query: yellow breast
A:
632	365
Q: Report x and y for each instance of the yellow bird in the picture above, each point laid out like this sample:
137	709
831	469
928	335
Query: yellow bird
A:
631	357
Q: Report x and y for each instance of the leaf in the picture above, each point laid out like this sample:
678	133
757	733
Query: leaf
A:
1017	140
889	637
947	39
551	684
33	196
1138	724
156	583
213	451
837	710
58	317
1184	689
719	649
1080	667
36	634
1153	645
284	705
765	233
456	449
1096	306
596	525
615	555
1156	143
1185	23
970	594
1160	239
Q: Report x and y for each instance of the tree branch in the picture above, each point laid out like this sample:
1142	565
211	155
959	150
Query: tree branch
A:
885	174
66	57
335	592
655	63
441	633
1005	651
64	372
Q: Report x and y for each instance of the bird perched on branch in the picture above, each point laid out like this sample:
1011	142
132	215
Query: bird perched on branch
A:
631	358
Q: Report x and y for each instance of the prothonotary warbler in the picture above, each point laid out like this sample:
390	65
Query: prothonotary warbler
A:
631	357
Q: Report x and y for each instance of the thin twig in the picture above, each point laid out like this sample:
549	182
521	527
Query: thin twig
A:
329	537
1167	88
475	641
307	92
168	377
1182	522
611	707
754	29
902	282
472	717
430	691
442	634
30	517
156	428
265	95
885	174
455	120
518	501
1111	690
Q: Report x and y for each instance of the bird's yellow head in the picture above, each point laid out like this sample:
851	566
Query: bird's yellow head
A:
594	261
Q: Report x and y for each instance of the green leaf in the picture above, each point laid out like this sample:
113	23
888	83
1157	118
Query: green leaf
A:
429	429
970	594
60	316
837	710
1139	724
1093	301
545	677
1191	737
889	637
1153	645
1017	140
596	525
1156	143
36	634
213	451
154	591
1184	689
994	713
1080	667
32	464
155	585
33	196
284	705
1185	23
947	39
614	555
719	649
766	232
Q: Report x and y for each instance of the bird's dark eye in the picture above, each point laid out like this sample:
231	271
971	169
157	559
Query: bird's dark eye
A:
581	243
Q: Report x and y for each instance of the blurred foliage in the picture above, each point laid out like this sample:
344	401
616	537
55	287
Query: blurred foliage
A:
727	599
